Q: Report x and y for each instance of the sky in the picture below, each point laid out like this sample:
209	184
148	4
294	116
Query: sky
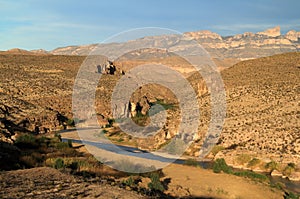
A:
48	24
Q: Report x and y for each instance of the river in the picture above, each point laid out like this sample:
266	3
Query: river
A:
132	151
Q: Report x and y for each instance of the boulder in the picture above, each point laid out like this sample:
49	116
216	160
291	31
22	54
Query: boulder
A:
276	173
295	176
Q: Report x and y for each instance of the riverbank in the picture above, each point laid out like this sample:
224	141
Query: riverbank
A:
217	187
188	181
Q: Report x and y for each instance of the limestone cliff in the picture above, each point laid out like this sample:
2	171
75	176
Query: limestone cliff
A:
241	46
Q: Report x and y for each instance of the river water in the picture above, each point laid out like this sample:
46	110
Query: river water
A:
132	151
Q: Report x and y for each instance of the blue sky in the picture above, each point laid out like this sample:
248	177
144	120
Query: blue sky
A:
34	24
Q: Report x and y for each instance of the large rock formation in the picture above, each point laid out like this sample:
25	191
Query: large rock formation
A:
241	46
272	32
107	67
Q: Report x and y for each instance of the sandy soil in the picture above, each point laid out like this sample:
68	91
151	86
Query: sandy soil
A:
192	181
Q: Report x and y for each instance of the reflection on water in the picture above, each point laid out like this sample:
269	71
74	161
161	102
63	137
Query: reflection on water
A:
289	185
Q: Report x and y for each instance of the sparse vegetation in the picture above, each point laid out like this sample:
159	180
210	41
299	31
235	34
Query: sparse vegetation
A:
253	162
291	195
191	162
26	141
252	175
220	191
288	170
155	184
216	149
243	158
128	182
140	119
272	165
165	105
59	163
221	166
35	151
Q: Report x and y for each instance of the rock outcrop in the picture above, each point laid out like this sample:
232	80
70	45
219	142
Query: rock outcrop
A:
272	32
292	35
107	68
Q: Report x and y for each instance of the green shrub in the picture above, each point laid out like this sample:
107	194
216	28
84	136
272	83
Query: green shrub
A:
220	165
191	162
278	185
27	141
251	174
72	122
291	195
59	163
62	145
43	139
128	182
271	165
58	136
70	145
155	184
104	131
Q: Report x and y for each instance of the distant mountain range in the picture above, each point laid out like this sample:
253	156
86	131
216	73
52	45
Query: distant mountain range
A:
241	46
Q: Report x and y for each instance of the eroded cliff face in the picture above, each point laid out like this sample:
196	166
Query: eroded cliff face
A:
241	46
248	45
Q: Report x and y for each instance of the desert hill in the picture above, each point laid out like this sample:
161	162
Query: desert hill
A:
263	108
262	121
262	102
18	51
35	90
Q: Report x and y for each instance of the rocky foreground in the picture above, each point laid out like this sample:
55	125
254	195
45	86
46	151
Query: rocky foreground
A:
45	182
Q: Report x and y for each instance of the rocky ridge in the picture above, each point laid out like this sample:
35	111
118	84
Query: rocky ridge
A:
241	46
